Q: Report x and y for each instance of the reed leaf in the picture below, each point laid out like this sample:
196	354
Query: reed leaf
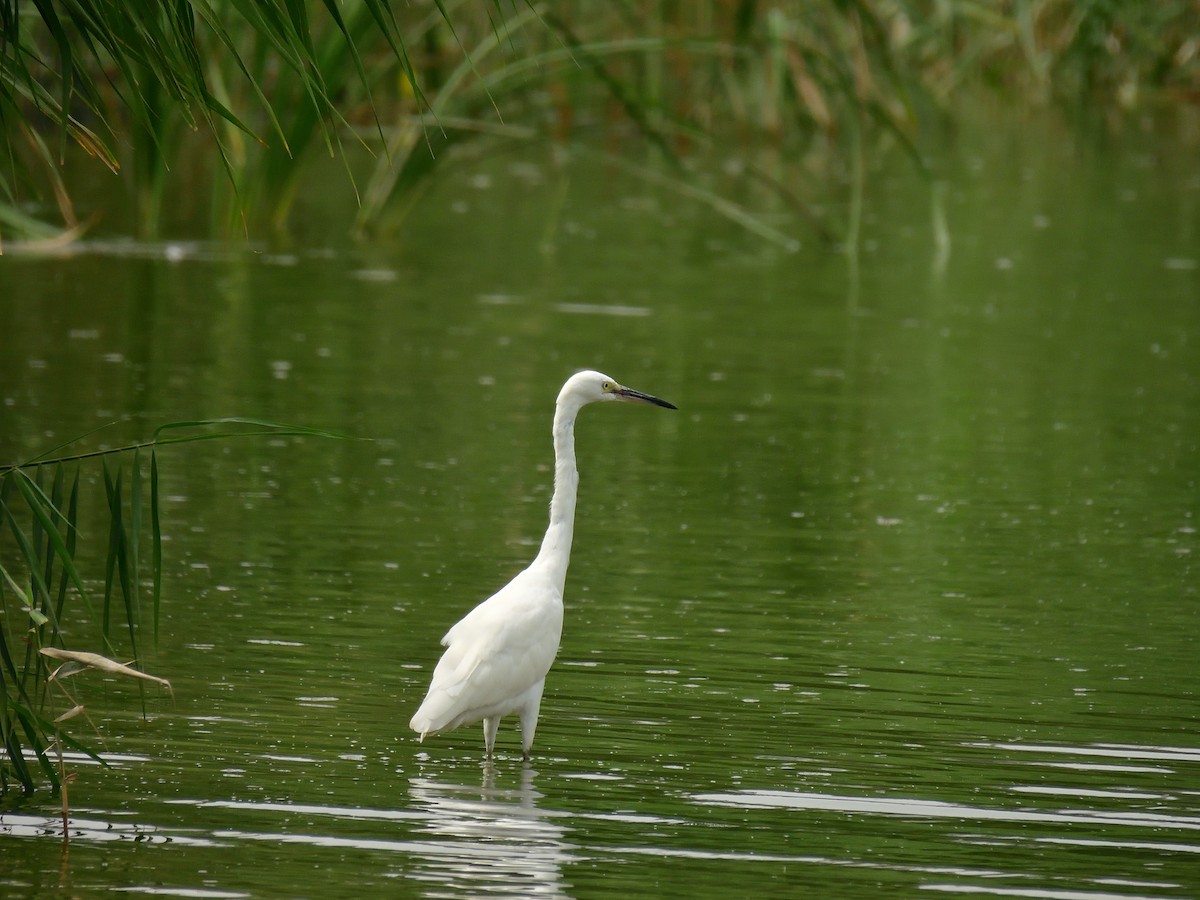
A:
10	740
135	532
27	729
45	511
40	542
13	680
117	560
68	561
156	539
14	586
262	427
56	504
75	661
14	751
29	556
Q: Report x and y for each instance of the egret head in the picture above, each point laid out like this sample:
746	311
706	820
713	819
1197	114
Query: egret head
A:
590	387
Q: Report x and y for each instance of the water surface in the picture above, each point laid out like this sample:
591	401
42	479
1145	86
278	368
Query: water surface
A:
902	597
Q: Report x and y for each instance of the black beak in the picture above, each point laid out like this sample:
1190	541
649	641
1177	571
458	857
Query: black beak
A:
631	394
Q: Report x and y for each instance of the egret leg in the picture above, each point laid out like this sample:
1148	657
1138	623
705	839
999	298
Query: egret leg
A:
490	726
529	716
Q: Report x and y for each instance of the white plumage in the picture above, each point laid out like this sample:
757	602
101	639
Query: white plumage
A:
498	654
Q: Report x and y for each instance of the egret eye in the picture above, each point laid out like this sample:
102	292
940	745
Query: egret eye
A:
608	387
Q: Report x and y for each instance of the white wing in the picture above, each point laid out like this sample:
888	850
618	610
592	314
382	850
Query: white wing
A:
494	654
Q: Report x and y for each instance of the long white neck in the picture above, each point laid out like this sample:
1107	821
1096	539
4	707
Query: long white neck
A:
555	554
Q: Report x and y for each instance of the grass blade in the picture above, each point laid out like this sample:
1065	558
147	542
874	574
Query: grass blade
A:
156	538
28	555
35	500
116	566
254	428
118	558
56	505
135	533
72	534
10	740
13	586
35	740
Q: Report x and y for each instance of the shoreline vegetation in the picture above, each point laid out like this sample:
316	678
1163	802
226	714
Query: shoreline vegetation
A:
239	95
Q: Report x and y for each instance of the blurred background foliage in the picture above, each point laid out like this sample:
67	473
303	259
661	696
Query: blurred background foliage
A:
167	95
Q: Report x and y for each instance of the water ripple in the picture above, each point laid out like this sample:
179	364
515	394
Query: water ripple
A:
913	807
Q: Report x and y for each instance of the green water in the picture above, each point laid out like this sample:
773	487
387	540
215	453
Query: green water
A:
904	596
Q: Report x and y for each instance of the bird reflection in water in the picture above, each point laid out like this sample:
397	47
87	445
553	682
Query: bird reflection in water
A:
489	839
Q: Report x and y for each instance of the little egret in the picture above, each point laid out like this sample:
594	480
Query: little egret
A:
498	654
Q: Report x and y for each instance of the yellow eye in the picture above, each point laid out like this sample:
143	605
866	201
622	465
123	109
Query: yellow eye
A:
608	387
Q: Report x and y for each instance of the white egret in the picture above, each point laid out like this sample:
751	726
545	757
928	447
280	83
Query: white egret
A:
498	654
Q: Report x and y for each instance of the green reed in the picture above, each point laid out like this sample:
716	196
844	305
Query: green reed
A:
45	599
249	90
